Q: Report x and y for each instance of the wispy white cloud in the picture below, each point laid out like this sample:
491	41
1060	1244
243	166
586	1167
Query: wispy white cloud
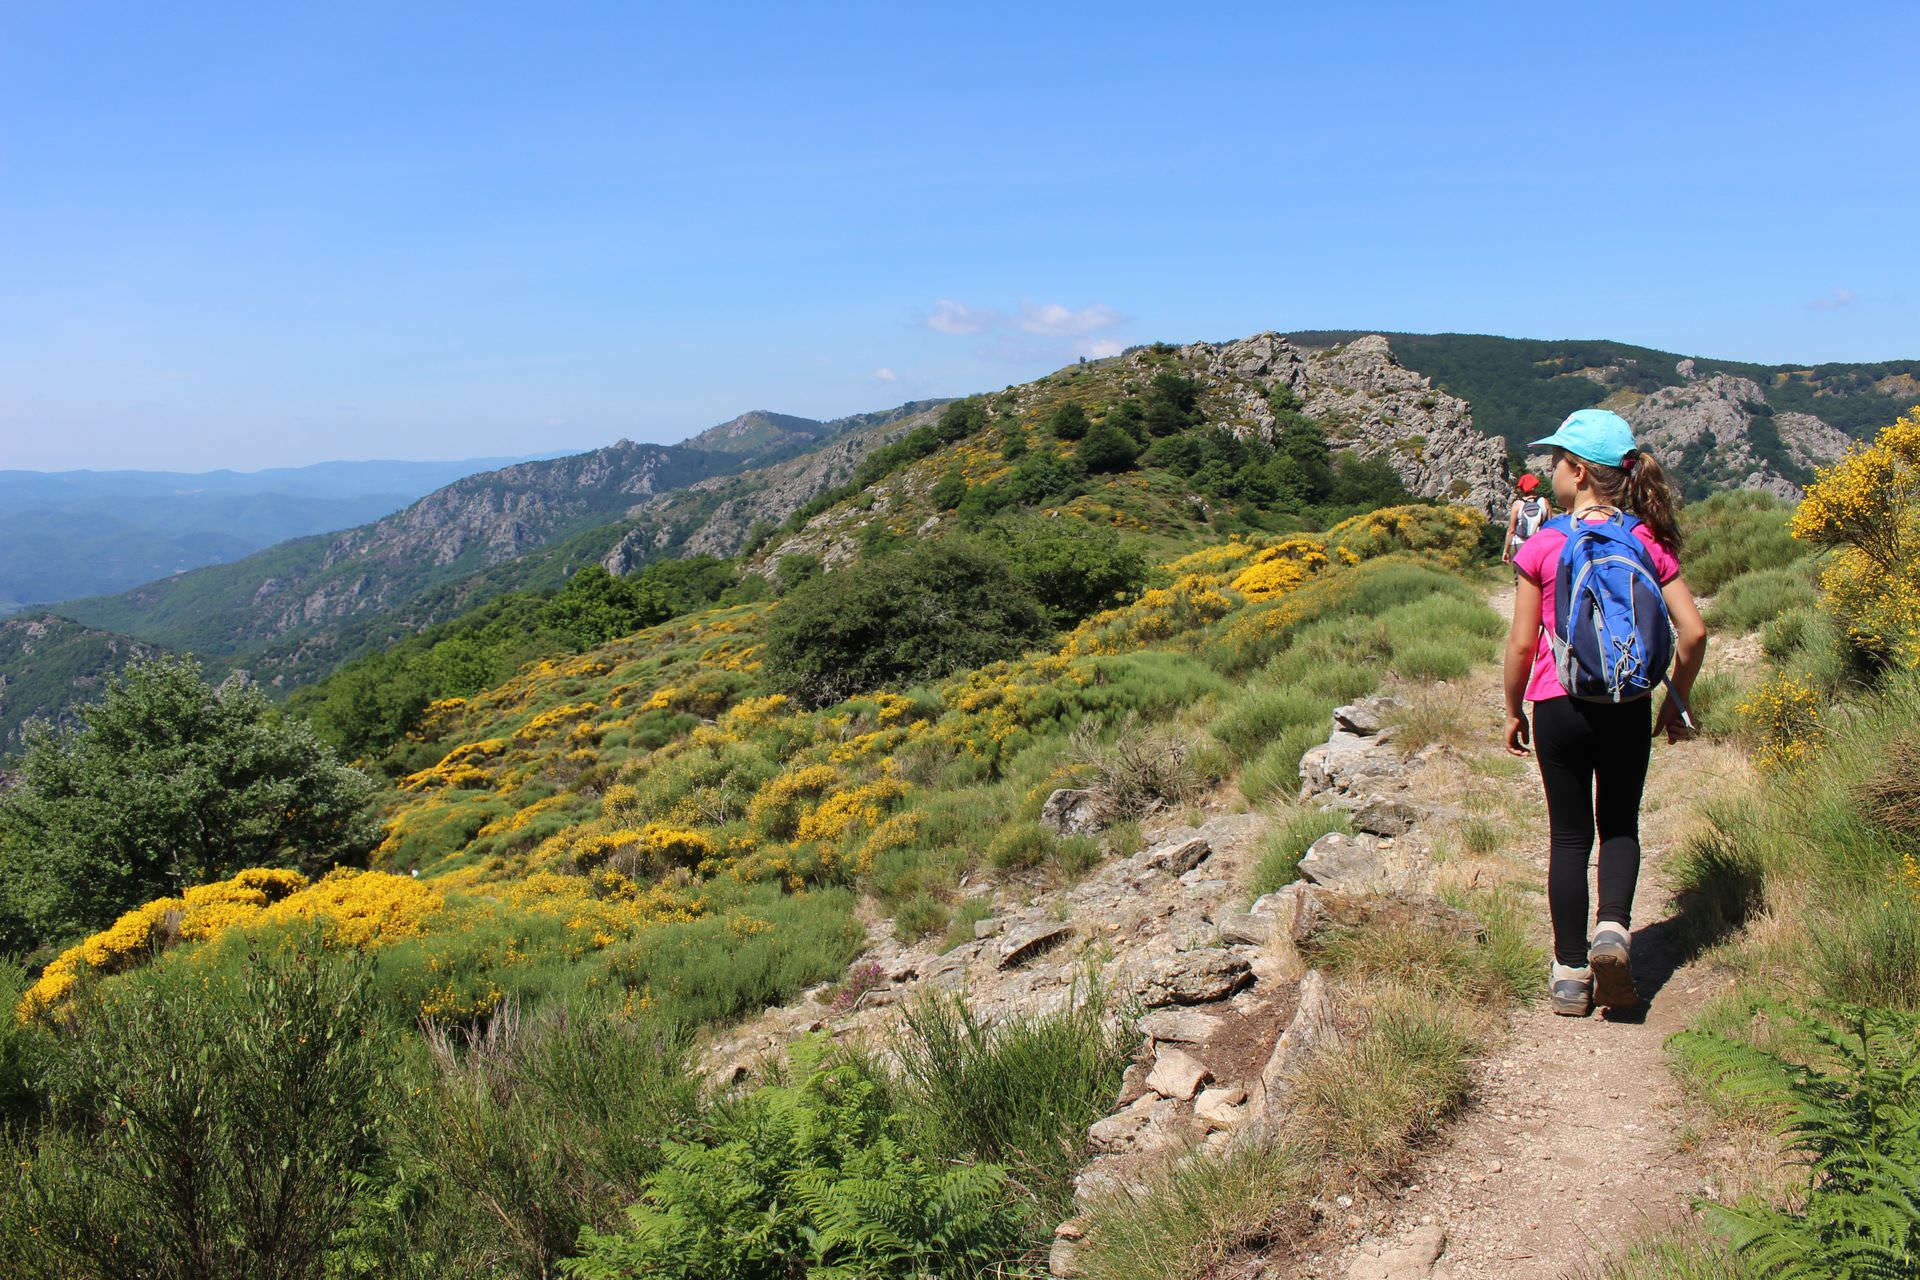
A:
1838	297
1057	321
885	375
1035	331
553	422
949	316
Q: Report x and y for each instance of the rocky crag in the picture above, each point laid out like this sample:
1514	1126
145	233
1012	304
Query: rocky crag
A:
1367	402
1719	432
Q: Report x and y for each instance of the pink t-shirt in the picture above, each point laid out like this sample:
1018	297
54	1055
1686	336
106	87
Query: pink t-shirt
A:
1539	560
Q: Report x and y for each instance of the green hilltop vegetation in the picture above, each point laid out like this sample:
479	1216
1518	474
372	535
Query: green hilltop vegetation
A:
440	1013
1517	384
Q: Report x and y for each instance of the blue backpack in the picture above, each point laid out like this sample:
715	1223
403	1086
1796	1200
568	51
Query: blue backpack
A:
1612	638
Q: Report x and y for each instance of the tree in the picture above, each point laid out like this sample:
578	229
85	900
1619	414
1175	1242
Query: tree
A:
1108	449
167	782
596	606
1076	569
1041	476
1069	421
948	490
908	615
1172	404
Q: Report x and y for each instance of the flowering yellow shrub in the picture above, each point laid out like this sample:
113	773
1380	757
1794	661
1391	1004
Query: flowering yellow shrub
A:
361	908
776	807
1280	568
1867	507
841	810
1221	558
202	912
752	713
547	721
212	909
519	818
896	832
1192	602
998	702
1446	534
1785	712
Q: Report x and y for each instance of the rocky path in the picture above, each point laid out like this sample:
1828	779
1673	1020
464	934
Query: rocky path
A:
1571	1143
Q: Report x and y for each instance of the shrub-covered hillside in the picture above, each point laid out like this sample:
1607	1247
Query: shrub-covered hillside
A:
577	866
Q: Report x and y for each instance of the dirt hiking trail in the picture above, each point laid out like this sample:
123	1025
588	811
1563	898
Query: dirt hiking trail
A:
1571	1143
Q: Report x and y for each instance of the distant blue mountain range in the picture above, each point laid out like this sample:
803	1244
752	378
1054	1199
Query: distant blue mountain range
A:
81	533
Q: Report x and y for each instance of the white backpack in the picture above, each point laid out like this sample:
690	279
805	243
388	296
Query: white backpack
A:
1533	513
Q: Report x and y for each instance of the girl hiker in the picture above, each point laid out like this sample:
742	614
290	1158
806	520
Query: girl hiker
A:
1525	516
1594	744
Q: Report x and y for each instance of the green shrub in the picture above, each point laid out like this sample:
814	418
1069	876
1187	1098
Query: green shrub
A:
700	971
1260	717
1018	1092
919	916
531	1127
1277	862
1736	532
225	1128
812	1179
1761	595
1199	1214
960	928
1446	659
897	618
1020	845
168	781
1075	569
1274	774
1368	1102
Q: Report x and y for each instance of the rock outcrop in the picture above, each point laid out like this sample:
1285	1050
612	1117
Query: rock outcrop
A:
1724	425
1372	405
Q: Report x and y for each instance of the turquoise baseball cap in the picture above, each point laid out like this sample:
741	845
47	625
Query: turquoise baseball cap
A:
1596	435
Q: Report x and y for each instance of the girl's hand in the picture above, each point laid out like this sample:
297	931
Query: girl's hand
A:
1669	720
1517	735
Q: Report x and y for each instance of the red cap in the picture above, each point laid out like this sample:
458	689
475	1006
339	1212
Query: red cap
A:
1529	482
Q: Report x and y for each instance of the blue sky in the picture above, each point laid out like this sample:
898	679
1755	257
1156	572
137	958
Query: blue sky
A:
256	235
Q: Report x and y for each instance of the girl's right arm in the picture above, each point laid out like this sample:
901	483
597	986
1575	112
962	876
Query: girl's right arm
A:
1523	638
1513	521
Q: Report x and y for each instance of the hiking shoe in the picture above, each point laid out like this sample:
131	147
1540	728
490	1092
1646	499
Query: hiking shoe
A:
1571	991
1611	961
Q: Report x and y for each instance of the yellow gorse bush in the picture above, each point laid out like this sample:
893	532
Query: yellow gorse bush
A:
1867	508
1785	714
1447	534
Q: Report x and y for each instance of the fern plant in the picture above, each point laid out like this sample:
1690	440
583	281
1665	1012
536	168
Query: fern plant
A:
811	1180
1853	1113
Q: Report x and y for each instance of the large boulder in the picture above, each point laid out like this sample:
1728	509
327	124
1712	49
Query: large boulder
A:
1073	811
1194	977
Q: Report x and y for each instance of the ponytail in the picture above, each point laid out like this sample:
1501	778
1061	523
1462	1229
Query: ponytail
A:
1641	487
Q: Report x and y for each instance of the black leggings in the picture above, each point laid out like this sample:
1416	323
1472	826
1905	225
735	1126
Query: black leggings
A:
1593	762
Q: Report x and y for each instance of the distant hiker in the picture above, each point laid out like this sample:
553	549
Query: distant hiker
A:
1525	516
1599	610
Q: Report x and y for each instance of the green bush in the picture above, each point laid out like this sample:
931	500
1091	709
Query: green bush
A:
812	1179
1277	861
1759	596
522	1132
1020	845
1019	1092
1199	1215
168	782
1736	532
1075	569
1440	659
1274	774
207	1130
1261	717
919	614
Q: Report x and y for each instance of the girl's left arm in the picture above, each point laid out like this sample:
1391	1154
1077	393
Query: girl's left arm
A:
1523	638
1690	631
